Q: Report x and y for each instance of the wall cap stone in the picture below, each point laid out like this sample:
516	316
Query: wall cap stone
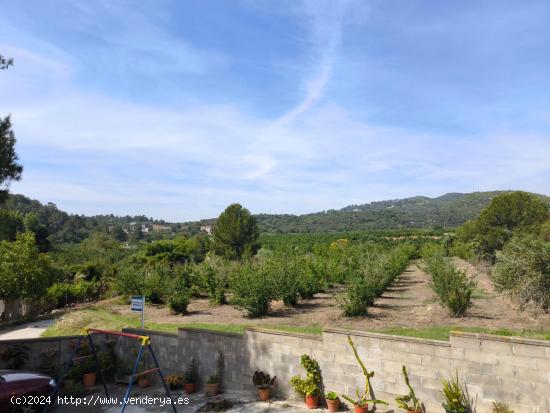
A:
37	340
505	339
284	333
387	337
210	332
146	332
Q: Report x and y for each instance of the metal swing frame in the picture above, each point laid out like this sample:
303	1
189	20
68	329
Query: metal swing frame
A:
144	341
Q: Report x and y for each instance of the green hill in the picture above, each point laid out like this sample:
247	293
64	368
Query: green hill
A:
449	210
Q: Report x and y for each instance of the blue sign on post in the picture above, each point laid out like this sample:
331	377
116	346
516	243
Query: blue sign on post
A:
138	304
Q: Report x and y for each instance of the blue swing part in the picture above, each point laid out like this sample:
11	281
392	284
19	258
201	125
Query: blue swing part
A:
145	342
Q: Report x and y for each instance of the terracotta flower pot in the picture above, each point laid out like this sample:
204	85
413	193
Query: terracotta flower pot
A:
190	388
414	411
362	409
212	389
312	402
332	405
264	393
144	382
89	379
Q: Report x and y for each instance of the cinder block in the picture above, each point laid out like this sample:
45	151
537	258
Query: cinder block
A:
481	357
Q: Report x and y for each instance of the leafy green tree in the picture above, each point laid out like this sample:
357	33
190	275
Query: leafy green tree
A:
40	231
236	233
24	272
506	214
522	270
10	170
119	234
10	224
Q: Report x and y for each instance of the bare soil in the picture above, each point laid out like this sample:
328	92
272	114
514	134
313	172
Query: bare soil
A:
410	302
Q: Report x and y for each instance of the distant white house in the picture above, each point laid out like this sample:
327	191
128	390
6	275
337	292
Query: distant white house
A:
207	229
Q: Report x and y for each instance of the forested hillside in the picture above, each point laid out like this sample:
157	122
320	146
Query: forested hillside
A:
447	211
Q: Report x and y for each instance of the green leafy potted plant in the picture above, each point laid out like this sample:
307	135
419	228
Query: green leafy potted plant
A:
409	402
361	404
174	381
212	385
333	401
456	398
191	376
309	387
263	382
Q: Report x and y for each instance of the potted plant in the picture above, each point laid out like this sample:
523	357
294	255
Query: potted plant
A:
309	387
88	369
174	381
456	398
263	382
212	385
190	380
333	401
409	402
361	404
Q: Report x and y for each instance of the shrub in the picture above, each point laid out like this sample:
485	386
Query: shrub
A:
452	285
311	385
374	272
358	297
522	270
253	289
214	273
179	301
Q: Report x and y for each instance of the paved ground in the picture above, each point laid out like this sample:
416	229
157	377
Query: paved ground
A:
242	402
28	330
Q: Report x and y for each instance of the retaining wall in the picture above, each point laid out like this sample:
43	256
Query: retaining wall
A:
509	369
513	370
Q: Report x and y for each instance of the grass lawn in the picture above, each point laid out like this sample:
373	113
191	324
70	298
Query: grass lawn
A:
76	322
443	332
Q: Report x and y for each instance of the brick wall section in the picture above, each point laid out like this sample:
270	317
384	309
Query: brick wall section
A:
514	370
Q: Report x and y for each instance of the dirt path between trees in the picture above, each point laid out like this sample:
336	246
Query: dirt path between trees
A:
410	302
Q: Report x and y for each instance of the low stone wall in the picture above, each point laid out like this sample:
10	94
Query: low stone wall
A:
44	354
513	370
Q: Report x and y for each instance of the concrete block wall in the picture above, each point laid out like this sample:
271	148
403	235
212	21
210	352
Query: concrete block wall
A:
509	369
46	354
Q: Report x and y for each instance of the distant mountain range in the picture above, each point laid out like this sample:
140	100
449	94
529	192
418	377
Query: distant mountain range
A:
447	211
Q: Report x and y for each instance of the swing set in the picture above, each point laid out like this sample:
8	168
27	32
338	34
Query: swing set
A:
145	343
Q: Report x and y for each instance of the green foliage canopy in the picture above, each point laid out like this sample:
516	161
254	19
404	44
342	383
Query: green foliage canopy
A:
24	271
236	233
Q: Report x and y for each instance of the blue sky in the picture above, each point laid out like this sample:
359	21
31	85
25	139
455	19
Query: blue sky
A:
174	109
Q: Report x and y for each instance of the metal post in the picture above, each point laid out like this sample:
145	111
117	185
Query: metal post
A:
142	312
136	364
98	365
162	378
